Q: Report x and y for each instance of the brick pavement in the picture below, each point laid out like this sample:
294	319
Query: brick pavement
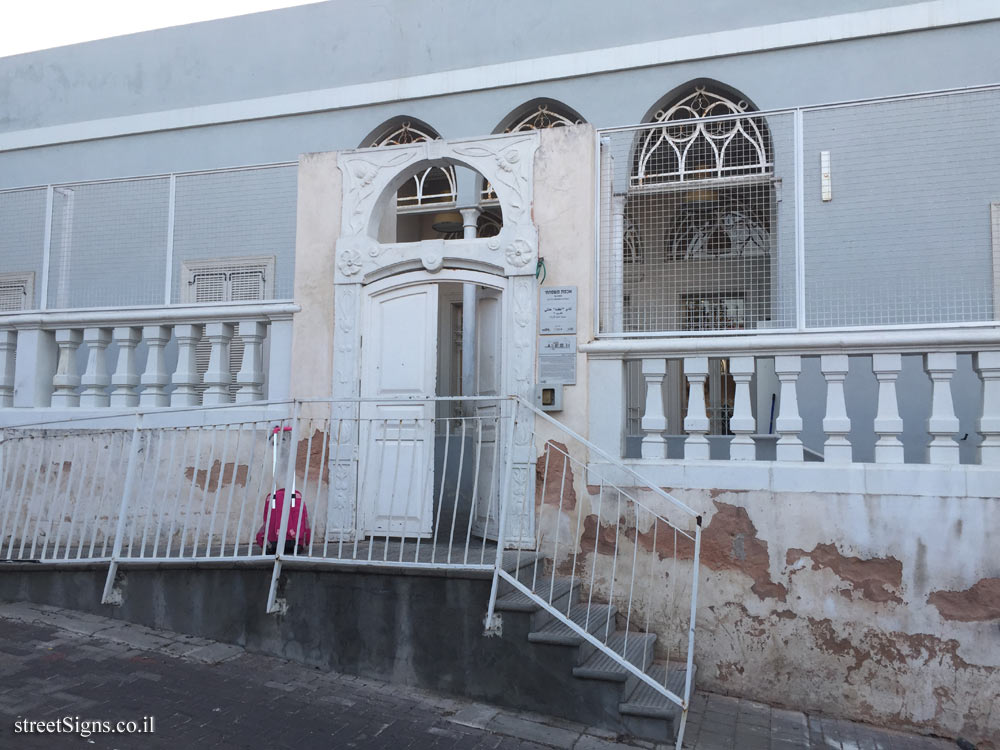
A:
56	663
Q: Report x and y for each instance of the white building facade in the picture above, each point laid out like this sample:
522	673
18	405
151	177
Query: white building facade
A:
747	260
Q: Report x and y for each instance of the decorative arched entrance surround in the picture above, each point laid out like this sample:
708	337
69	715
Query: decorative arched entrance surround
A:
371	178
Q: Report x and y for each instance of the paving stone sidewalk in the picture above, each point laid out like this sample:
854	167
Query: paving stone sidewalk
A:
56	663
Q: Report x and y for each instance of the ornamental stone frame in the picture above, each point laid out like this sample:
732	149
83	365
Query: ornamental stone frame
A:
371	178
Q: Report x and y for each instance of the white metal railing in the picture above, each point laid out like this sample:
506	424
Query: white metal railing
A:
211	354
155	492
929	396
630	548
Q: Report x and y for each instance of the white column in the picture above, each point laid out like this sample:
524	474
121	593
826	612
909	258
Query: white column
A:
742	423
34	367
696	421
279	360
154	378
788	425
8	347
250	378
654	421
836	423
66	380
888	425
988	367
185	378
96	379
470	222
217	377
607	404
126	376
942	424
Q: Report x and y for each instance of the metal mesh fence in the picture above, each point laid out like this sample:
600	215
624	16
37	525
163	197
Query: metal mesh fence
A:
22	238
905	234
247	214
699	227
109	243
695	235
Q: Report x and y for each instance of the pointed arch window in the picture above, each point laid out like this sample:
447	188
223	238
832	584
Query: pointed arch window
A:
704	135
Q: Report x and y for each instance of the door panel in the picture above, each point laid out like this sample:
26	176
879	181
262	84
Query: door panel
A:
489	321
398	359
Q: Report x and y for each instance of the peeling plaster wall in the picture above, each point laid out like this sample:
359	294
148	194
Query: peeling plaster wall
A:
880	608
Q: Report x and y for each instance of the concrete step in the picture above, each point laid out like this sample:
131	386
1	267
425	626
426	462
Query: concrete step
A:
649	714
637	648
517	601
557	632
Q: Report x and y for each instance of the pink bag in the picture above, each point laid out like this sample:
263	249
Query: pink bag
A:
298	523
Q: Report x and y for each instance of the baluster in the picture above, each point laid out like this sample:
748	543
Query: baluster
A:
654	421
696	422
66	380
185	377
154	378
126	376
8	347
250	378
742	423
942	424
988	367
888	425
836	423
217	377
96	379
788	425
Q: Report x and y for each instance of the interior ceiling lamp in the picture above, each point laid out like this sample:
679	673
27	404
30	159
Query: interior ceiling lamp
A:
447	222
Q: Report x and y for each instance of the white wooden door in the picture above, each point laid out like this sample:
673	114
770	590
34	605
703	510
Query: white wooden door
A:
489	326
398	361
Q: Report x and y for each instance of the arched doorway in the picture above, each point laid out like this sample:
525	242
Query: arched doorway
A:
388	296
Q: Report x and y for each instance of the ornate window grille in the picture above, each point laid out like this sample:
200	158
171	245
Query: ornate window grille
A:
435	186
546	115
690	147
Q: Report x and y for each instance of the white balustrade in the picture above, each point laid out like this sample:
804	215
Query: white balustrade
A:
988	367
654	421
696	422
942	424
742	423
96	379
41	364
185	378
788	425
836	423
888	424
125	378
8	349
66	379
155	378
217	377
250	378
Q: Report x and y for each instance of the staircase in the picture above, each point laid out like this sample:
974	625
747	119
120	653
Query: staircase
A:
600	691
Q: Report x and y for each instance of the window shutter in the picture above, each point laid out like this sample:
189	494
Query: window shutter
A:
221	281
16	291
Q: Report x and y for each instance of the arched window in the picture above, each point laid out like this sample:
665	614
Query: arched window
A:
433	187
539	114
